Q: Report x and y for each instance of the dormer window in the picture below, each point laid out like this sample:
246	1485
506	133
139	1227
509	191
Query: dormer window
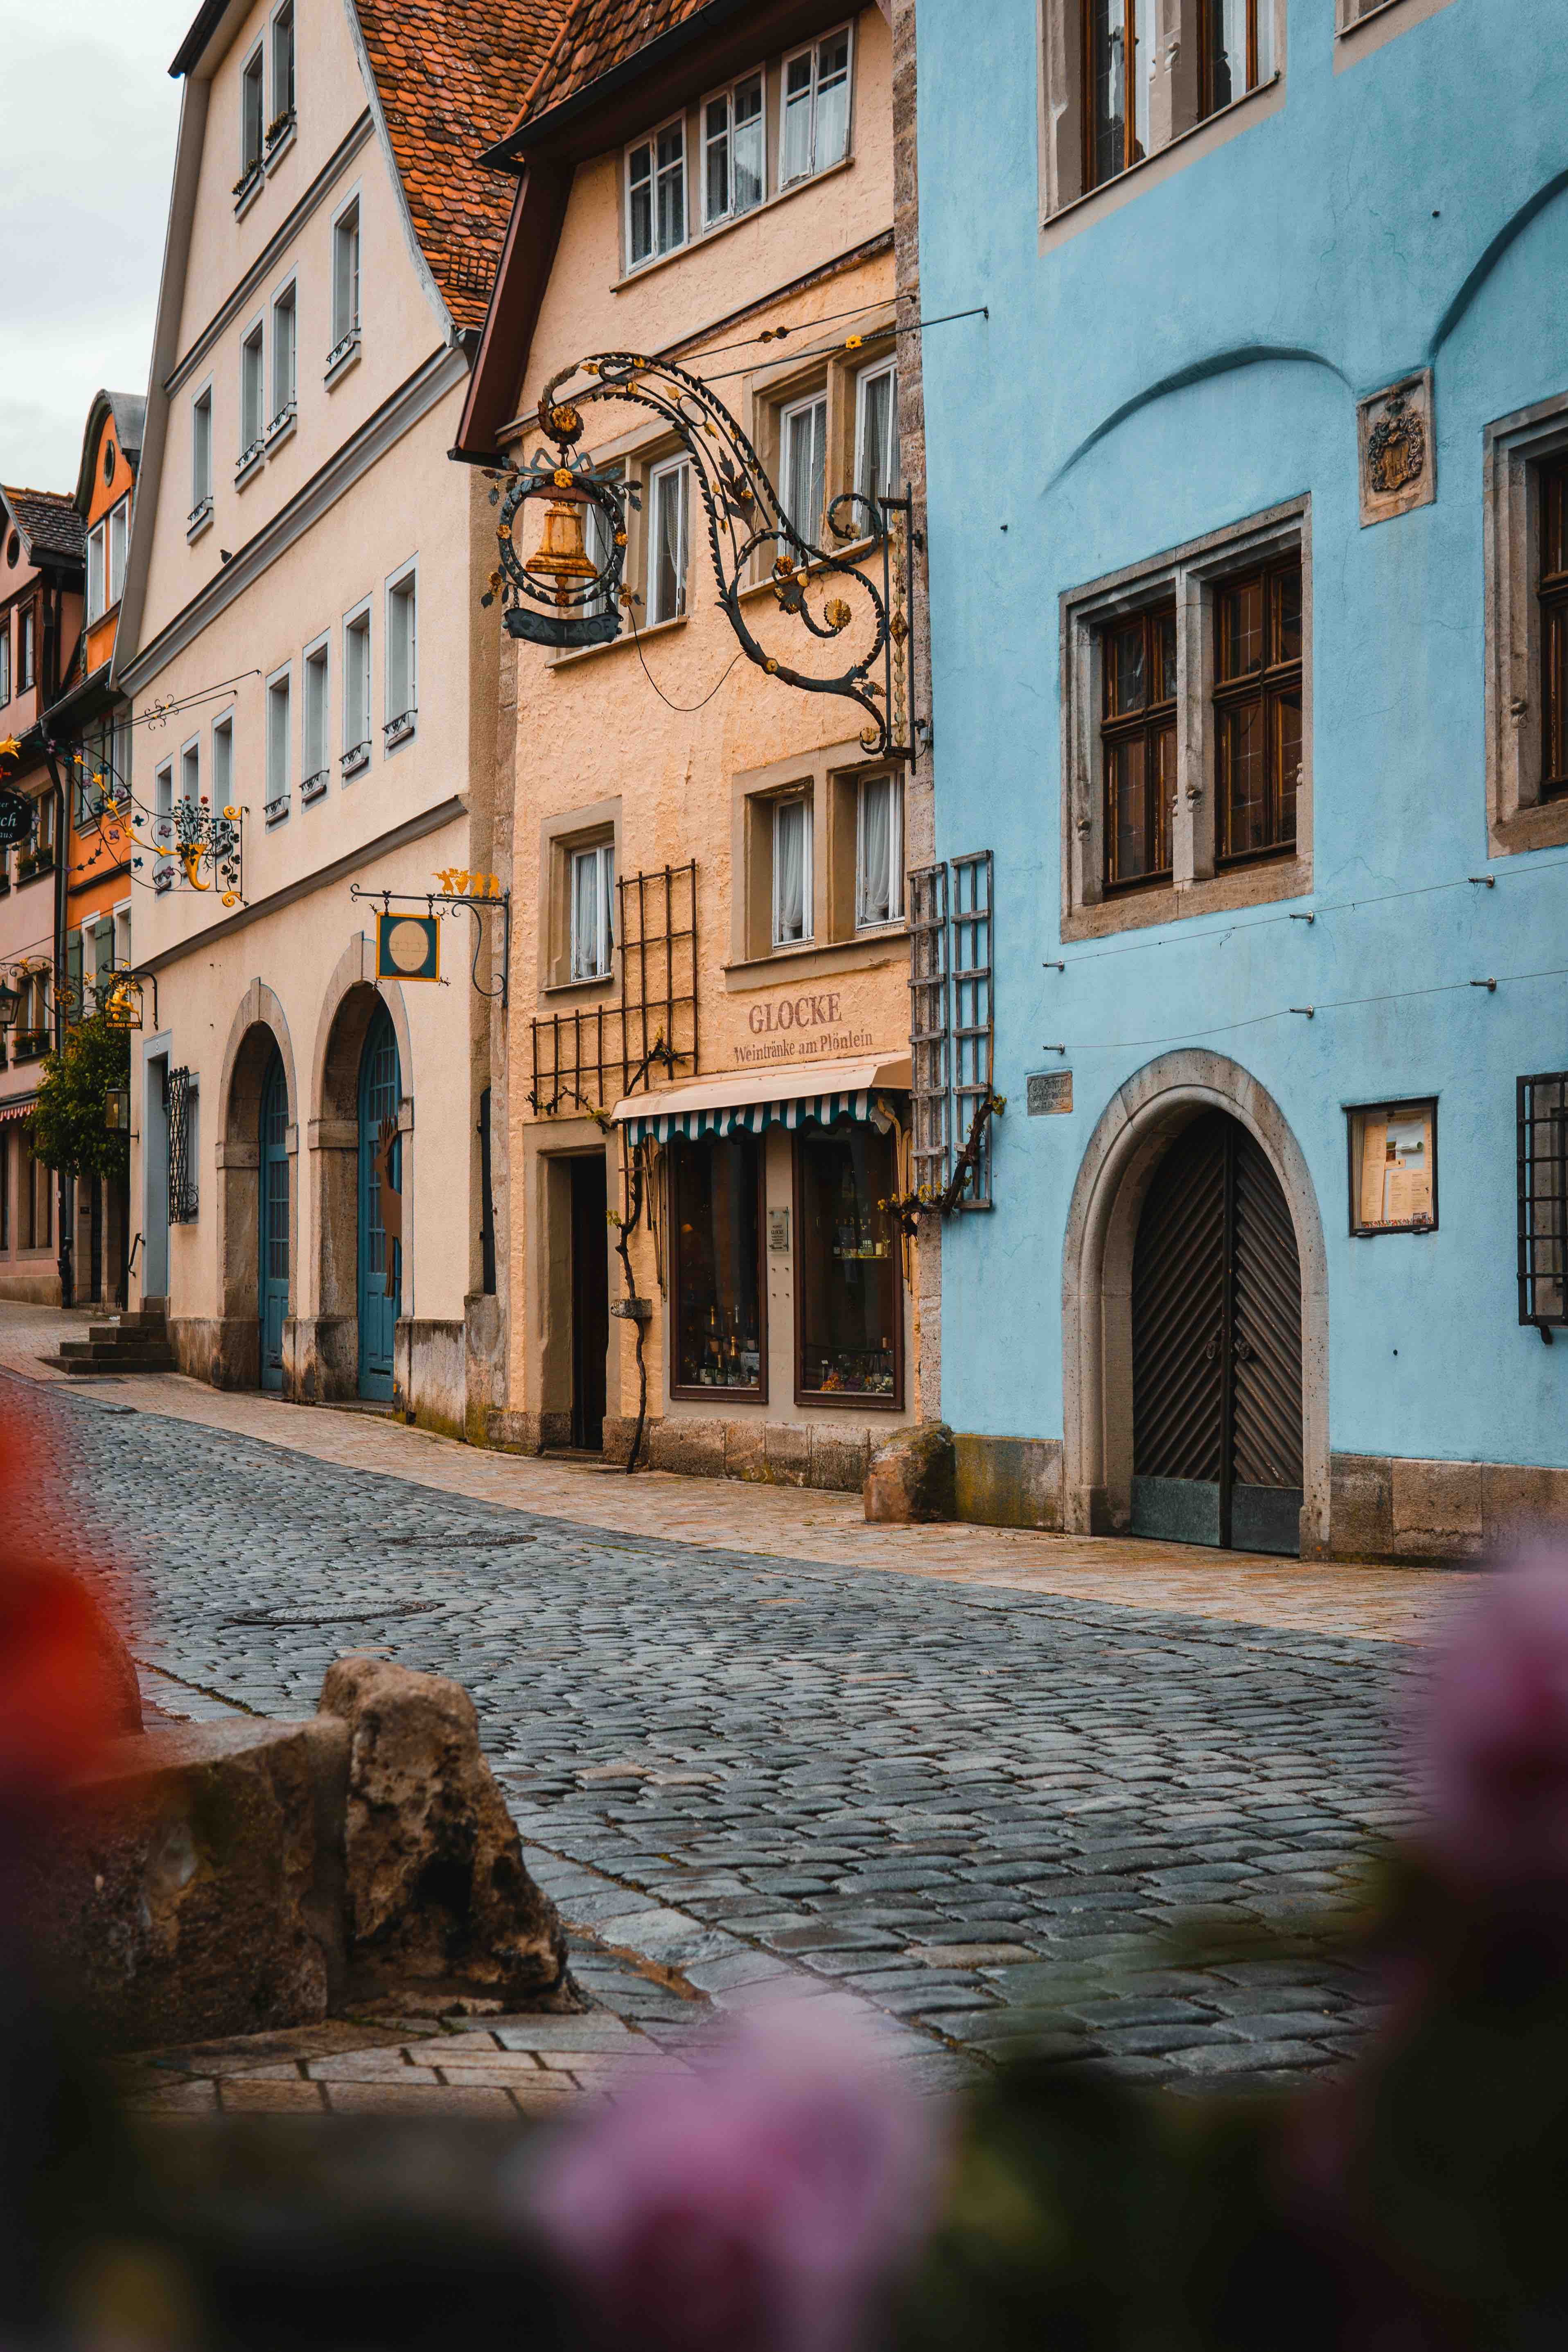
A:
815	127
656	194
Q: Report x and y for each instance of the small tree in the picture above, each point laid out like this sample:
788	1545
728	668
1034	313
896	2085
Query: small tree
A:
68	1128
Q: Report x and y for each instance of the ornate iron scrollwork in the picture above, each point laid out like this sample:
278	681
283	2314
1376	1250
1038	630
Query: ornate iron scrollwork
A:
752	539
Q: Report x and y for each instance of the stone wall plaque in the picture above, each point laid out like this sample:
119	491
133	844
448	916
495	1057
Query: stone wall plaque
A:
1050	1092
1397	449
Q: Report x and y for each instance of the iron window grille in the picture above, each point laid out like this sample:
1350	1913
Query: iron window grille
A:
1543	1201
585	1060
181	1101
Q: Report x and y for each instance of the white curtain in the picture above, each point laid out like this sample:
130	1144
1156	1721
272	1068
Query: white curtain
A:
795	162
585	915
792	872
880	895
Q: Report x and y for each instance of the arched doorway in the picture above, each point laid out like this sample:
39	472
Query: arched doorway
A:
380	1206
272	1223
1216	1347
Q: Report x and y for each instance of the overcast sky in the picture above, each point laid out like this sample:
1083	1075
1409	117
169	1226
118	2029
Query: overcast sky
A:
89	116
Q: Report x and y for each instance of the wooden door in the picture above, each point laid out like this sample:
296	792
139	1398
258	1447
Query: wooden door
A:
590	1300
1216	1347
272	1287
380	1256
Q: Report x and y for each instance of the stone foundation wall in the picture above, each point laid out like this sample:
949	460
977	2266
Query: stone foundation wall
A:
1010	1481
33	1287
1386	1507
429	1374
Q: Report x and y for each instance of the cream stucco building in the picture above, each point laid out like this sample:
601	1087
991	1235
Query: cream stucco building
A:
302	642
702	855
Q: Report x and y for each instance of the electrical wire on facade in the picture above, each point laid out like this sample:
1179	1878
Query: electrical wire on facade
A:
1491	983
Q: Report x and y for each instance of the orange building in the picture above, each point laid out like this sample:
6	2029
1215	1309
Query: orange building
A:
89	749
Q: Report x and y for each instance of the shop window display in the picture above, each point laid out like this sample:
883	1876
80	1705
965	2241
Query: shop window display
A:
847	1267
717	1265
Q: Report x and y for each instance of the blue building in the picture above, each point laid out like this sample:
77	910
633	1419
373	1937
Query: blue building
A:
1250	667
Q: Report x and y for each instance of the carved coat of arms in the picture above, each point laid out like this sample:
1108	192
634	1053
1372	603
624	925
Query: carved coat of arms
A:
1397	448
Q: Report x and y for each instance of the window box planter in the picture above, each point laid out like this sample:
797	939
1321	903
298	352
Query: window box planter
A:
342	356
356	757
313	787
276	810
249	460
398	729
198	519
282	424
246	187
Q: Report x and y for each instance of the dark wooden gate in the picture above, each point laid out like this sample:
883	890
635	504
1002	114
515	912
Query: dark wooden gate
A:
1216	1347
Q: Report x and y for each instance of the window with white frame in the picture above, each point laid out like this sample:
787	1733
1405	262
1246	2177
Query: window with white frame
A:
802	449
283	72
668	504
345	281
27	647
201	453
792	871
876	466
356	691
223	763
97	571
402	656
122	938
593	910
279	721
102	957
314	768
656	194
734	160
251	421
119	548
879	852
252	113
813	129
4	660
190	778
284	358
164	825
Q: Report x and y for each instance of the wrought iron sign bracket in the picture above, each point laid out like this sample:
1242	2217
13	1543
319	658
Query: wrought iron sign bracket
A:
438	903
562	597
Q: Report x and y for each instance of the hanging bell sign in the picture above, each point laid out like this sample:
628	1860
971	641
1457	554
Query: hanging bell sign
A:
563	595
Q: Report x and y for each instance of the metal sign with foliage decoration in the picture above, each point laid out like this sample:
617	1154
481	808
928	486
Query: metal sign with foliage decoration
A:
562	597
18	815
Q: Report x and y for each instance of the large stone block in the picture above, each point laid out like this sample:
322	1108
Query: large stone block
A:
1437	1510
1009	1482
1521	1504
745	1449
913	1477
191	1885
787	1448
435	1889
1360	1506
693	1448
839	1460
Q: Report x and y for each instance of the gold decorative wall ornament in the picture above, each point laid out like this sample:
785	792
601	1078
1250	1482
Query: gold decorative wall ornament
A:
1397	449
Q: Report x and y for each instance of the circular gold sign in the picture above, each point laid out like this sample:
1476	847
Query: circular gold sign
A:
407	945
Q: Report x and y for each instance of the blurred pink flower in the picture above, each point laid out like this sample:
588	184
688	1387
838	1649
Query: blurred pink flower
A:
757	2205
1491	1746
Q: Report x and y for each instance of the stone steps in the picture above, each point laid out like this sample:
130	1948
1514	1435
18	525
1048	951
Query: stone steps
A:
131	1343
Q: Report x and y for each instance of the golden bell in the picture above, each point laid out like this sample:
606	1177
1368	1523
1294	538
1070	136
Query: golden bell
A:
561	555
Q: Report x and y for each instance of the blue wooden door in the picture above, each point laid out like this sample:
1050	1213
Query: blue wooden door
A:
274	1221
379	1290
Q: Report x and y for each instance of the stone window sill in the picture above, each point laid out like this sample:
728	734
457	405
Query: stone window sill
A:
354	763
1544	826
618	644
1220	894
249	189
341	358
201	520
817	958
251	463
280	146
1081	212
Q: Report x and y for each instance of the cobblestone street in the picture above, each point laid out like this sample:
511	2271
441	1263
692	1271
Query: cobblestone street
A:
977	1809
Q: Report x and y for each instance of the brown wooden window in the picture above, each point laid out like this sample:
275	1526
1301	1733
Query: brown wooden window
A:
1138	745
1257	711
847	1277
719	1311
1119	59
1236	51
1554	594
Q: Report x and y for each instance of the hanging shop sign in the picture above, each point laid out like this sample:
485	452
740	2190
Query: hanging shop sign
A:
407	947
123	1002
563	595
18	815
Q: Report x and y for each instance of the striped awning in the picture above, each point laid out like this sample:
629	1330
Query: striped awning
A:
19	1106
745	1102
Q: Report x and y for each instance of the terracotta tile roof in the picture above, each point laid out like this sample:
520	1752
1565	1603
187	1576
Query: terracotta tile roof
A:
49	521
598	35
450	76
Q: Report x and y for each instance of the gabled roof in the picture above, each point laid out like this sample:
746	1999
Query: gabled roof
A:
450	76
598	35
51	529
129	412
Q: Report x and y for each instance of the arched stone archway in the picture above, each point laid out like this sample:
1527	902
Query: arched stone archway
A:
259	1031
1137	1128
330	1349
